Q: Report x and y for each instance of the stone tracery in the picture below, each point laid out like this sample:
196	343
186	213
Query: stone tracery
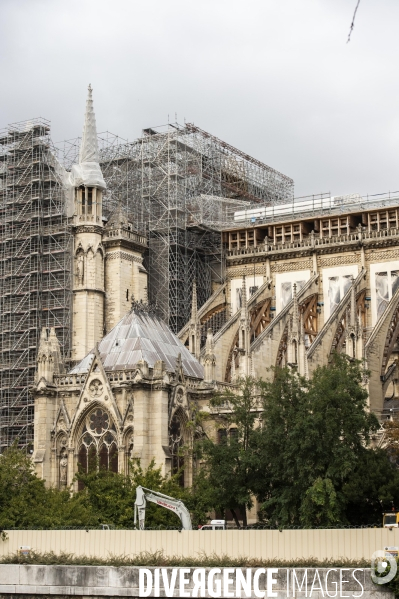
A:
97	442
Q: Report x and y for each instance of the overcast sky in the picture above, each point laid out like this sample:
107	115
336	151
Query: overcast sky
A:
275	78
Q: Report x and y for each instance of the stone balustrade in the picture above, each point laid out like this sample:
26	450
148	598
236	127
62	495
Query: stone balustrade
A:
315	242
126	234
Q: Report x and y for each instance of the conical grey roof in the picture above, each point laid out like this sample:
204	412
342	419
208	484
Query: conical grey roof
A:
142	336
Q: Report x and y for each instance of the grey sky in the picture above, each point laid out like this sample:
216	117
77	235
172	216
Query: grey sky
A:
272	77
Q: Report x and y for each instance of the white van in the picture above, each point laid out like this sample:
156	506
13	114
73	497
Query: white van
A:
215	525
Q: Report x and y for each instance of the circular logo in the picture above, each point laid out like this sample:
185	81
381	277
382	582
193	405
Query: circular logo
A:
383	567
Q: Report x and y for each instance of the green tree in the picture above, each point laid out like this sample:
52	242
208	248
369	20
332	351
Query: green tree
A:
26	502
372	488
21	492
314	440
392	439
228	462
111	496
320	505
278	480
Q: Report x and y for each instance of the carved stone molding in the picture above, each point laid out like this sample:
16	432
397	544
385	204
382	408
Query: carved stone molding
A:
378	256
123	256
290	266
89	229
239	271
339	260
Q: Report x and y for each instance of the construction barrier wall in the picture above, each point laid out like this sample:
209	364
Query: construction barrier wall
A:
261	544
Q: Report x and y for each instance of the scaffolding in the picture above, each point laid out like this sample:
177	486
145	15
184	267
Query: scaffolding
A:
35	268
181	186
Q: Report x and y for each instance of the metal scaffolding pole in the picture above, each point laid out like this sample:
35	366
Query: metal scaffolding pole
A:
181	186
35	268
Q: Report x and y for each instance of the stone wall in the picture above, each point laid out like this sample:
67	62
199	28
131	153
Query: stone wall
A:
95	581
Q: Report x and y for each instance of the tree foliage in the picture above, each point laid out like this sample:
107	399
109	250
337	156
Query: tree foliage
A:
310	461
112	495
25	501
226	476
392	439
303	448
311	434
107	497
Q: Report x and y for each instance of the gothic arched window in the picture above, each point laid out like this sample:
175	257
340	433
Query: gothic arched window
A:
97	444
176	442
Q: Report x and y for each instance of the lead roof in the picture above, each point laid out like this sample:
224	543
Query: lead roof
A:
141	336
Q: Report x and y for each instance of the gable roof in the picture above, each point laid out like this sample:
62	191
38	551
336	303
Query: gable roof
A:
141	336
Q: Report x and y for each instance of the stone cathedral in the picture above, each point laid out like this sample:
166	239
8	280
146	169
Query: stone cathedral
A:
297	287
129	394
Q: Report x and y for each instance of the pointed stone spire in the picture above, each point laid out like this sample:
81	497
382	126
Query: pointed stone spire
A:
43	356
243	335
89	146
209	358
301	347
118	217
360	339
295	311
353	306
243	294
55	351
49	360
195	328
295	299
88	172
43	339
352	329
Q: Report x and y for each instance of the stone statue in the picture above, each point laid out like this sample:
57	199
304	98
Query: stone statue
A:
80	269
63	469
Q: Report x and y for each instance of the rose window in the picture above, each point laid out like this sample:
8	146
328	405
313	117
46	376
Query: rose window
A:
98	422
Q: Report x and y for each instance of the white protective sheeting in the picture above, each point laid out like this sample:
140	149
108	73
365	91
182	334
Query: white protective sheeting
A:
88	172
65	179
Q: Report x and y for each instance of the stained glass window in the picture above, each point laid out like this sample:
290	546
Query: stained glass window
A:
98	448
99	421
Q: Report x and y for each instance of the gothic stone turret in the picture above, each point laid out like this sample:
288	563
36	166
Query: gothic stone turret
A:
49	363
88	288
125	275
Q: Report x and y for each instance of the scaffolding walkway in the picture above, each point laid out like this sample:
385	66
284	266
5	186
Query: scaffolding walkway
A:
35	268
